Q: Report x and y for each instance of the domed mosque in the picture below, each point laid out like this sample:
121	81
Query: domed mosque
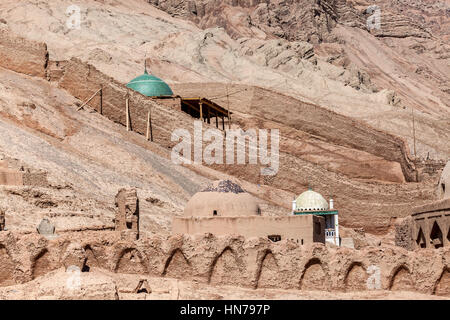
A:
224	208
313	203
222	199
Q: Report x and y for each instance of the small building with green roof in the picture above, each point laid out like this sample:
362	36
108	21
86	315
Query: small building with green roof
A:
197	107
311	202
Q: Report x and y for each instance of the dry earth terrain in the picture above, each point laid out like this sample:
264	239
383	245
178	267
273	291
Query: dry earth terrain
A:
343	97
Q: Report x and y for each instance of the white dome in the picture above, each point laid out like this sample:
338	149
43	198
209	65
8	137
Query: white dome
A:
311	201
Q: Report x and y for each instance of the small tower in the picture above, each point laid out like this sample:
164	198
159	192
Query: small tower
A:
127	214
294	206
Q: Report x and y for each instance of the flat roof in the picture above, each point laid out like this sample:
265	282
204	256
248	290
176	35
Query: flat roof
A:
195	101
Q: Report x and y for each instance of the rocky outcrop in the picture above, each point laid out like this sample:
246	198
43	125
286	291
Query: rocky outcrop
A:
303	20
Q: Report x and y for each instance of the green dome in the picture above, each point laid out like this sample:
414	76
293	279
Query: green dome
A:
150	86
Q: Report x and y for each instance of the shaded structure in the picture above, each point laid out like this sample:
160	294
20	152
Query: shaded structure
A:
205	110
224	208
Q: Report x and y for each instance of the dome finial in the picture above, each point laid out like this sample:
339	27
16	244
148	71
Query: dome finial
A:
145	66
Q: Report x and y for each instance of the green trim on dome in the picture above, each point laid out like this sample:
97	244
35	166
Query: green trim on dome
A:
319	213
150	86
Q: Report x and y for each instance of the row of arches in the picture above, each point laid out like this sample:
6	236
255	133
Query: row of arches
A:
226	268
436	238
229	267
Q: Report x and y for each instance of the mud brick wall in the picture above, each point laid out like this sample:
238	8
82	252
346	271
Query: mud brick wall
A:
38	179
403	234
82	80
229	260
318	121
21	55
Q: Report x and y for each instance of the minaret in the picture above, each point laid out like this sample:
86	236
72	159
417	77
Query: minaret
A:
336	223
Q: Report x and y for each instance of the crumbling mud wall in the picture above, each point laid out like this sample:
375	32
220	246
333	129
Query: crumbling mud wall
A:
12	173
404	234
230	260
430	225
82	80
305	117
21	55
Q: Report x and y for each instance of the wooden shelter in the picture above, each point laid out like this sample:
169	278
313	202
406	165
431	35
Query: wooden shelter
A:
205	109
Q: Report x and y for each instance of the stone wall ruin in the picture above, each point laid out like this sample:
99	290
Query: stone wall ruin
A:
232	260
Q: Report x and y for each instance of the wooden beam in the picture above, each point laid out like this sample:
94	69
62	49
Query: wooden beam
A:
217	120
88	100
127	114
212	105
228	109
101	100
201	110
149	135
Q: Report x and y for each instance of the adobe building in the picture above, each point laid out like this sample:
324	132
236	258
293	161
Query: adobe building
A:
12	173
313	203
224	208
429	225
197	107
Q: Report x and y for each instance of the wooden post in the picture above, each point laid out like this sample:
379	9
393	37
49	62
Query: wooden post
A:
207	115
217	120
414	132
127	114
223	122
228	107
201	110
149	135
101	100
85	103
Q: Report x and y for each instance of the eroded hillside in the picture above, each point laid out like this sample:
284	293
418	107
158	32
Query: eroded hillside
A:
343	131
